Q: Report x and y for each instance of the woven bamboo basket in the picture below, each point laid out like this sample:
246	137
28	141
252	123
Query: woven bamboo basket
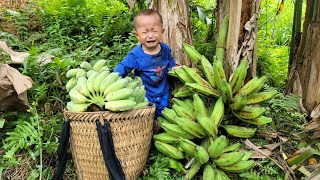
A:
131	133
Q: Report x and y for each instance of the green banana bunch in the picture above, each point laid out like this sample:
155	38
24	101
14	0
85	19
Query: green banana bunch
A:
216	148
169	150
208	172
238	131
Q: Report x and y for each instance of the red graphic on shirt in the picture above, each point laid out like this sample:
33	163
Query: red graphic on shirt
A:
158	71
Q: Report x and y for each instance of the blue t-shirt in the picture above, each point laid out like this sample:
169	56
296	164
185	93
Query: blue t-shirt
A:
153	69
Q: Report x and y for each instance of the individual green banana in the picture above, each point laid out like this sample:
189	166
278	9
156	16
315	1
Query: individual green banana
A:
133	84
90	82
239	102
143	104
205	142
166	138
118	84
71	83
176	165
233	147
227	159
261	83
218	112
225	91
169	150
190	126
104	68
250	112
219	73
239	76
204	90
183	104
193	170
81	74
239	167
73	72
239	131
99	64
222	38
191	53
82	87
74	107
201	155
120	94
163	120
260	97
108	80
217	146
90	72
77	97
85	65
169	114
182	92
139	93
208	125
195	77
98	80
208	71
176	131
183	113
199	105
262	120
208	172
253	86
187	147
120	105
183	76
247	155
222	175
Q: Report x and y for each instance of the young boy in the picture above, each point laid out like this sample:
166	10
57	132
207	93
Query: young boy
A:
151	59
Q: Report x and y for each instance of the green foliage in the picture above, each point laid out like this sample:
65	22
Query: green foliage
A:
273	41
158	168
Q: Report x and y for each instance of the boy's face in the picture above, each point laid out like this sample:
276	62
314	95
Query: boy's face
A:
149	31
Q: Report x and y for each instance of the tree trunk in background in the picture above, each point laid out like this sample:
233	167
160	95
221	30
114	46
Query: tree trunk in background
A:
304	76
241	40
176	22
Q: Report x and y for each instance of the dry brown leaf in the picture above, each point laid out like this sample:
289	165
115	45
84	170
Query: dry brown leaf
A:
16	57
273	146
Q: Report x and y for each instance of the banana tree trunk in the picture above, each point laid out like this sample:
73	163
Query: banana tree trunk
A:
304	72
243	28
176	21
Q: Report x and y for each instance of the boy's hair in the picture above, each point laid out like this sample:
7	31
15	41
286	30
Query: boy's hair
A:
147	12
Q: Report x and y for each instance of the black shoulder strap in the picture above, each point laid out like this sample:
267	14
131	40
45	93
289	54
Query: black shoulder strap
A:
62	150
106	143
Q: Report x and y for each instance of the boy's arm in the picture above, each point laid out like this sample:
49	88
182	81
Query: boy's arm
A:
126	66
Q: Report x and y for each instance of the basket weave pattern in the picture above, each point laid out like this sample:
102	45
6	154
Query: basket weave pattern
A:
131	133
